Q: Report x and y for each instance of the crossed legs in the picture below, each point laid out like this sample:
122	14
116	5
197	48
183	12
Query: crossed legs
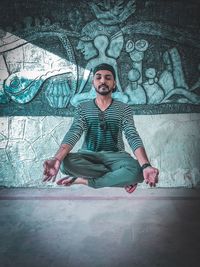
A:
102	169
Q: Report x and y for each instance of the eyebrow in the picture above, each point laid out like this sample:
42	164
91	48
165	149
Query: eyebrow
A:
106	75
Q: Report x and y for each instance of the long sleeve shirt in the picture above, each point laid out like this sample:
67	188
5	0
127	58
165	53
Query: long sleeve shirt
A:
103	130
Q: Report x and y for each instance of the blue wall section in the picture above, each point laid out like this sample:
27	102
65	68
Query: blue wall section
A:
48	49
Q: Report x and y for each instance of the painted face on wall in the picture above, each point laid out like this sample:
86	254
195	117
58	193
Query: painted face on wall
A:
104	82
87	49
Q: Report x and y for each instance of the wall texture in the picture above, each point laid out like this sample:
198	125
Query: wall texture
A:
172	143
47	52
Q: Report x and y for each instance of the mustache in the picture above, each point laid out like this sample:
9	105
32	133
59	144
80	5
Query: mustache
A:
103	85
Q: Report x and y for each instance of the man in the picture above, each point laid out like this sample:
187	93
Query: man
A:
102	161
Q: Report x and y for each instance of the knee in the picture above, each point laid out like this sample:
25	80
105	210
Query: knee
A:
69	164
64	166
136	173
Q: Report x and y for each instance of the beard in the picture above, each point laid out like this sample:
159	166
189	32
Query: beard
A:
103	89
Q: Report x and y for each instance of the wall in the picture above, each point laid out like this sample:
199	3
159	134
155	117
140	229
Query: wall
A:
172	143
47	52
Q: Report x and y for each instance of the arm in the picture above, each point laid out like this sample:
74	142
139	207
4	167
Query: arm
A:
62	152
52	166
150	173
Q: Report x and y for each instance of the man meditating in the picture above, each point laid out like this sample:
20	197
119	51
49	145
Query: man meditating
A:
102	161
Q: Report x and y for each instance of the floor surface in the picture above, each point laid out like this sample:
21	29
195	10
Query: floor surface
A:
71	227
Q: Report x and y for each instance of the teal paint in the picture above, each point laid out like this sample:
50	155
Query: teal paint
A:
46	64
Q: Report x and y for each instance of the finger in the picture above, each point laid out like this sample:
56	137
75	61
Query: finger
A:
45	164
53	178
154	184
45	172
151	184
153	179
47	178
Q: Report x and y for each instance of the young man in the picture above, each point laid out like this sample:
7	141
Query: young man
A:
102	161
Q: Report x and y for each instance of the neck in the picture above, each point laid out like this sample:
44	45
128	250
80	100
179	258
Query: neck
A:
103	99
103	102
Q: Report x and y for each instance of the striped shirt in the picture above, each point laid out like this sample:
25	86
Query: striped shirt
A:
103	129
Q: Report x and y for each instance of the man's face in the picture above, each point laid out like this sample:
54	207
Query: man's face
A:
103	82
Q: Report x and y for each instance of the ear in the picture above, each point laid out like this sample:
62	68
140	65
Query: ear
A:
93	81
114	87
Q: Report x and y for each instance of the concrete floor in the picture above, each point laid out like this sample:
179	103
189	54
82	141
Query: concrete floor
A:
79	226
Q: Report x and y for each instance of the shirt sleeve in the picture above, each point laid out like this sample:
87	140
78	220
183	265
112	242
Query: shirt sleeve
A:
76	130
129	129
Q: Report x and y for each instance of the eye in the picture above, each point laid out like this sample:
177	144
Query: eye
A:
98	77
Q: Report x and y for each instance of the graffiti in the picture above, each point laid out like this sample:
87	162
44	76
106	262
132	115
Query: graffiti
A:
52	63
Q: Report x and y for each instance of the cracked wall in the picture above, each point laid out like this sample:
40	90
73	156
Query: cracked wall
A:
172	142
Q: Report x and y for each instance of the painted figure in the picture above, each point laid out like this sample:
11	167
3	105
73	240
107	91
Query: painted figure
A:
99	43
177	69
166	79
135	91
102	161
136	52
155	93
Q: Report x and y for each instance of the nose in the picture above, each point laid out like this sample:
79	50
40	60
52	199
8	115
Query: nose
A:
103	80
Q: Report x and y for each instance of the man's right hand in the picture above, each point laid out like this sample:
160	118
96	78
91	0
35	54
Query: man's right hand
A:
51	168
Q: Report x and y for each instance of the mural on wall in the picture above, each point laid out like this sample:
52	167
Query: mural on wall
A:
46	64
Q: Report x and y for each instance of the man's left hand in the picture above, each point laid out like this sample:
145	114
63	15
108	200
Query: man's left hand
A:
151	176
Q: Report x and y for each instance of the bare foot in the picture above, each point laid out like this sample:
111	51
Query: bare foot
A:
130	188
68	180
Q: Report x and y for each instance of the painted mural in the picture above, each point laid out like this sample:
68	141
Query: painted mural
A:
49	50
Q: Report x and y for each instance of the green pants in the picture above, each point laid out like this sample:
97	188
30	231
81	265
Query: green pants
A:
103	169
